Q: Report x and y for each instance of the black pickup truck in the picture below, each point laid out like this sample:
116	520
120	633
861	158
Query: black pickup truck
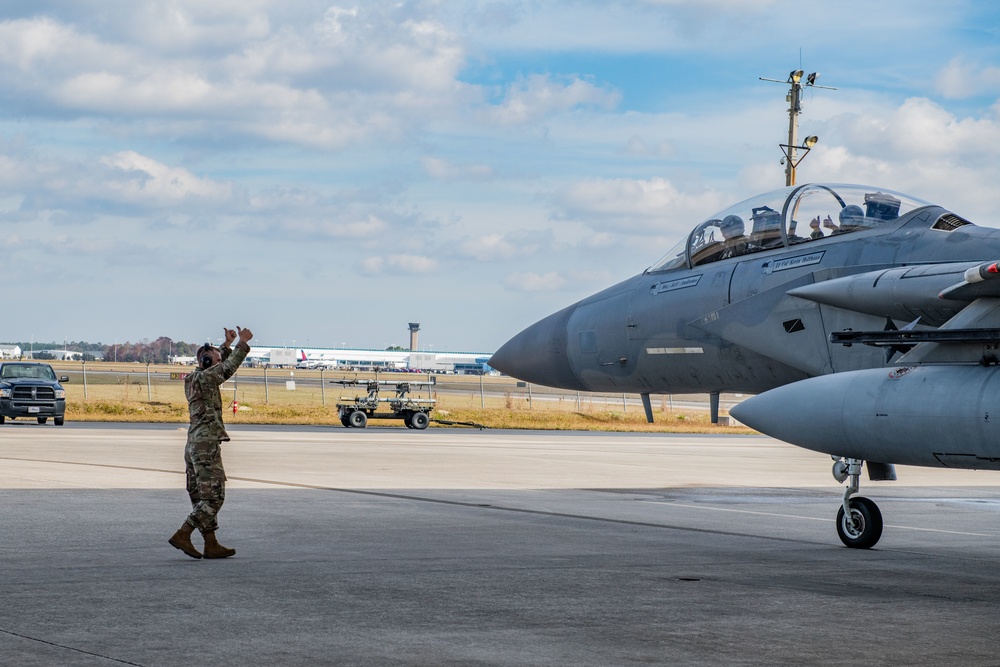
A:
31	390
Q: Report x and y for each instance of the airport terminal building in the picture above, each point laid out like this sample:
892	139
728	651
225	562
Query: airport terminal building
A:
344	359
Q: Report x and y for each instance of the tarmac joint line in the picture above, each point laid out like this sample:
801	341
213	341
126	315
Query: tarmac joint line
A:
70	648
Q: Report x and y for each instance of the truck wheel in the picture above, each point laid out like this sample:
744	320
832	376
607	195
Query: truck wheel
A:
345	421
420	420
2	419
58	420
358	419
42	420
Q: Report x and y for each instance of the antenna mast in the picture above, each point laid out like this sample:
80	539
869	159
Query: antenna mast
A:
794	99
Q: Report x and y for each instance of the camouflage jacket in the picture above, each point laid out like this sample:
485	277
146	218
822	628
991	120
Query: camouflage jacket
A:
201	387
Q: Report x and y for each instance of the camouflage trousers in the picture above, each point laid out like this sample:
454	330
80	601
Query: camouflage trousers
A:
206	483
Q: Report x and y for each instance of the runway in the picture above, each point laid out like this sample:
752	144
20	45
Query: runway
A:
388	546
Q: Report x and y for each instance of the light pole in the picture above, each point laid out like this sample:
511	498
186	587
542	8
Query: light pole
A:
794	99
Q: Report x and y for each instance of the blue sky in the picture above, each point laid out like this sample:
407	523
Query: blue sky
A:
327	172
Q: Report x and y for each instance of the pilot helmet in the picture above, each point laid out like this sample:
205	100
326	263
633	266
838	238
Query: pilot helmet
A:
852	216
732	225
765	219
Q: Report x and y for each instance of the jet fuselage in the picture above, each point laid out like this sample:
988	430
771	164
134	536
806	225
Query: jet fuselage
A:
729	324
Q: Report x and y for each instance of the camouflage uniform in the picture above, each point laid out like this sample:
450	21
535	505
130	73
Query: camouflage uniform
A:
206	478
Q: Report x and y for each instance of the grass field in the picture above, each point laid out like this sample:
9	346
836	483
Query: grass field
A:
122	393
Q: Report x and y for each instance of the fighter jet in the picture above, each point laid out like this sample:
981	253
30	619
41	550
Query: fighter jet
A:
867	322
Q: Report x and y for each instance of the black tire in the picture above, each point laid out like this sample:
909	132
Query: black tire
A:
420	420
42	420
865	529
358	419
345	421
58	420
2	419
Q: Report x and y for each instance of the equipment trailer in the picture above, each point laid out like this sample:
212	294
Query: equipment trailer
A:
356	411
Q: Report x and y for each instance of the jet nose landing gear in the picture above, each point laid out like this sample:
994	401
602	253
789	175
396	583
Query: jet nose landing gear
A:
859	521
862	528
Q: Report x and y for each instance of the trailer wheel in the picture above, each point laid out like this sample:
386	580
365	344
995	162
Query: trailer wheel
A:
358	419
420	420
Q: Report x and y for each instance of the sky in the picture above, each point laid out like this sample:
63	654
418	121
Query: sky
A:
327	172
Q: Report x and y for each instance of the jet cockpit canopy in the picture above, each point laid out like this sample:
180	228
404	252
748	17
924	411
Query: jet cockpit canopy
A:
799	214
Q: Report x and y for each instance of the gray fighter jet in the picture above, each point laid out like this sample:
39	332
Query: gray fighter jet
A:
866	320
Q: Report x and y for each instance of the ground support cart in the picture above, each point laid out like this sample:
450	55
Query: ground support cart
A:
356	411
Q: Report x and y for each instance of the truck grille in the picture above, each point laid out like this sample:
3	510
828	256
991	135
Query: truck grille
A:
35	393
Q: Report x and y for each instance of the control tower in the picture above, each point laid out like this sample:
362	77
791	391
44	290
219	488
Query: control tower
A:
414	328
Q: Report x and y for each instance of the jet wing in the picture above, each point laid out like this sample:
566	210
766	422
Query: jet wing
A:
976	332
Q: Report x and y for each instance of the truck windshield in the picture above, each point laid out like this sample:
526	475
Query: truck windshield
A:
32	371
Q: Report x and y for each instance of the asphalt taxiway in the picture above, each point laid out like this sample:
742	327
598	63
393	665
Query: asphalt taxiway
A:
387	546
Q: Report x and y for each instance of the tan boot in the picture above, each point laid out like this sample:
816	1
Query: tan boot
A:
182	540
215	550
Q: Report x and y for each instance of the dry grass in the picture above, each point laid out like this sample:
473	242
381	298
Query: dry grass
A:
278	413
126	398
558	420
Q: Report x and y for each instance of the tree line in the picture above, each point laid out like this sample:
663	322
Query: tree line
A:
157	351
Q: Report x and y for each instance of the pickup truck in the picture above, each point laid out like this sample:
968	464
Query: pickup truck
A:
31	390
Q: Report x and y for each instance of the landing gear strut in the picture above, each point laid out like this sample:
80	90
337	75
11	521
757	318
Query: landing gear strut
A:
859	521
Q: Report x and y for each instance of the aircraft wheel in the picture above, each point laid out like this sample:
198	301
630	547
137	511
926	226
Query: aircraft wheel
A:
358	419
420	420
864	527
59	421
42	420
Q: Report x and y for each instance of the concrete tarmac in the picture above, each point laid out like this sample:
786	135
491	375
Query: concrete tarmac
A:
387	546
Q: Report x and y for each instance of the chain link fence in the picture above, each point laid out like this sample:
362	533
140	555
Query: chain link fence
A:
295	387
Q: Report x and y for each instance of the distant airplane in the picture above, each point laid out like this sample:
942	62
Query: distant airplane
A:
867	320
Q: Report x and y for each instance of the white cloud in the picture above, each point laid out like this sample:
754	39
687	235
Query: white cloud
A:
537	96
919	128
368	227
451	171
146	179
502	247
960	79
535	282
344	77
372	265
636	146
399	264
634	205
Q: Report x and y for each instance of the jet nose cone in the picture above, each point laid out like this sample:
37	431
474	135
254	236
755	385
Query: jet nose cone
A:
539	354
